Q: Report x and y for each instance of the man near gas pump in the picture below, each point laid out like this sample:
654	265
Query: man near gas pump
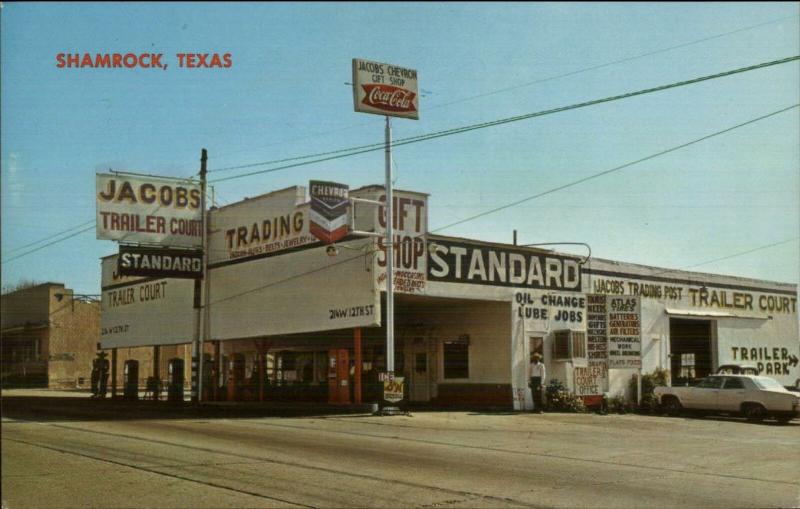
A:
538	374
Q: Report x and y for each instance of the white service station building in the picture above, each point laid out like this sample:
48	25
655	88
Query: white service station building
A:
292	318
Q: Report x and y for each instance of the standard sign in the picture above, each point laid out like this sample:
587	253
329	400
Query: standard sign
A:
160	263
385	89
149	210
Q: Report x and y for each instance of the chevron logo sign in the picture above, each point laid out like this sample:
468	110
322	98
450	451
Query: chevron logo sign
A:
329	207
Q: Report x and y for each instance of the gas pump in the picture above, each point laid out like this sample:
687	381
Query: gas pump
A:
130	380
175	374
338	376
208	376
235	376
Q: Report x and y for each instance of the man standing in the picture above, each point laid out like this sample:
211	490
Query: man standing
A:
537	375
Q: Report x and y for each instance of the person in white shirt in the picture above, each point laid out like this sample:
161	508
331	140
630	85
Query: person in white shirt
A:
537	377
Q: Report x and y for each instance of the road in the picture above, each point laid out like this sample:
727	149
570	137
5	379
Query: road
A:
160	458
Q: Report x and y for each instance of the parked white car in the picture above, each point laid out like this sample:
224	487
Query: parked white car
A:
755	397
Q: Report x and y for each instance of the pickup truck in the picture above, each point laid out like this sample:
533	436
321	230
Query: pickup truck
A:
755	397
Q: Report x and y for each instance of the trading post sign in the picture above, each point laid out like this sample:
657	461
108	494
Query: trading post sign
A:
149	210
385	89
329	210
160	263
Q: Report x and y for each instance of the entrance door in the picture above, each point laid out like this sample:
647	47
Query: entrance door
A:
338	376
690	349
419	385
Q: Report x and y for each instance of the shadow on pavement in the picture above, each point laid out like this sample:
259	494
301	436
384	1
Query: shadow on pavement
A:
54	408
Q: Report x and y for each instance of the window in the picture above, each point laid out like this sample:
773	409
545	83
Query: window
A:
569	345
687	365
537	345
456	359
767	383
578	344
712	382
734	383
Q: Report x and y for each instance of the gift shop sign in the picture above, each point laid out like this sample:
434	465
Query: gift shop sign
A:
385	89
149	210
410	225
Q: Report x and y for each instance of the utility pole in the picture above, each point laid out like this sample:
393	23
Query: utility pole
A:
197	344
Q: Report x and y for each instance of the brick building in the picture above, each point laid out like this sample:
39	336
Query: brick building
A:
49	337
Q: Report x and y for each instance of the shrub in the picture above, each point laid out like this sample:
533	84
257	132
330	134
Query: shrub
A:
650	381
559	399
619	405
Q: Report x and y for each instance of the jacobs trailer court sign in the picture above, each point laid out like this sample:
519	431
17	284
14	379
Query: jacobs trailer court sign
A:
149	210
385	89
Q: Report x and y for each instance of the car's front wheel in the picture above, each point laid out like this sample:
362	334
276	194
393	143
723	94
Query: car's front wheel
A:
754	412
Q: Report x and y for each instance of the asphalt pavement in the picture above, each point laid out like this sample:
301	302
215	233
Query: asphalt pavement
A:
65	451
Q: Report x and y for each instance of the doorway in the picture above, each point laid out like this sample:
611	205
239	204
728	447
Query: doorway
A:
690	349
420	370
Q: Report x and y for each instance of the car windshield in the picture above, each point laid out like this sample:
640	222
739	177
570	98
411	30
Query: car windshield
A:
767	383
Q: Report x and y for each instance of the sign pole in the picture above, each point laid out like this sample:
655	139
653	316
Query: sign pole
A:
389	256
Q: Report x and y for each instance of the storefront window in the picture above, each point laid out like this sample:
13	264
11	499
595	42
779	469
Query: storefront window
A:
456	360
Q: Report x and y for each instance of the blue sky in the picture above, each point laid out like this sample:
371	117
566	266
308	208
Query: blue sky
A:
285	96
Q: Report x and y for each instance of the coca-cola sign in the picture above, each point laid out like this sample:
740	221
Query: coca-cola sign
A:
389	98
385	89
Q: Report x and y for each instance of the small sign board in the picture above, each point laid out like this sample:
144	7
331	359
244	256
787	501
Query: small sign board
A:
385	89
160	263
330	205
624	331
393	389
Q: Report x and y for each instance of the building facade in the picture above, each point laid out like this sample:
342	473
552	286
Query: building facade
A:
49	337
292	318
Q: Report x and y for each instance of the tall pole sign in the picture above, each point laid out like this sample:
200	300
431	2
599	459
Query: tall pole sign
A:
390	90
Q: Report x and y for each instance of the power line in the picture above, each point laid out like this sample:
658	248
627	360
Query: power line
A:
596	175
760	248
49	237
613	170
449	132
49	244
458	130
607	64
521	85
